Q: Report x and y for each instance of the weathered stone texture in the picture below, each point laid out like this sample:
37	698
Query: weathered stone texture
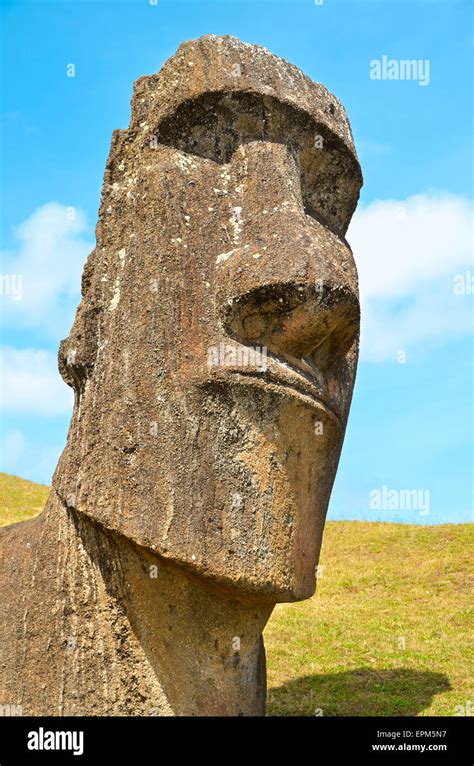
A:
222	221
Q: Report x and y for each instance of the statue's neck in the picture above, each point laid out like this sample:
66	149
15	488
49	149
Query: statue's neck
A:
162	642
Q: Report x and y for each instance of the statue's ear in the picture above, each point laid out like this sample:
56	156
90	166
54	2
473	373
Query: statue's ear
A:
78	352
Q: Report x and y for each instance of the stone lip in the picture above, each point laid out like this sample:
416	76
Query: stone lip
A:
228	65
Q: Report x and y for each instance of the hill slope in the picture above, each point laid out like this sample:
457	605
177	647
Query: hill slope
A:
387	632
20	499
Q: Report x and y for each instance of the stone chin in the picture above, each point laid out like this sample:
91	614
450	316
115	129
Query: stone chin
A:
279	449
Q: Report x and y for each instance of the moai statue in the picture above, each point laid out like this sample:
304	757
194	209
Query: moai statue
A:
212	358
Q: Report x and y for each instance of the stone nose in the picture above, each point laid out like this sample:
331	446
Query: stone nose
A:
318	323
290	282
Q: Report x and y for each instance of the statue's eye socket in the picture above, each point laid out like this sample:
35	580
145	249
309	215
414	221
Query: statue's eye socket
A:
204	128
211	140
216	124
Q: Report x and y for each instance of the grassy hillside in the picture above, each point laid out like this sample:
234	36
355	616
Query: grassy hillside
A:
387	633
20	499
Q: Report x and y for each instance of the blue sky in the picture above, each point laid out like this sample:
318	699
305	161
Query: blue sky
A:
411	422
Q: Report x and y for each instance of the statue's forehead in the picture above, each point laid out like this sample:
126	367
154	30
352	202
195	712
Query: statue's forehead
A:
213	64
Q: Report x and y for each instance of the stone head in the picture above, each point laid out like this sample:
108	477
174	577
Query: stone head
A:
214	351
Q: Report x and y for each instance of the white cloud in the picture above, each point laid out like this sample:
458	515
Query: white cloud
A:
51	252
31	383
408	253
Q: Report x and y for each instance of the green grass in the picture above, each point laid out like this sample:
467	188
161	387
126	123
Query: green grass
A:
387	632
20	499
